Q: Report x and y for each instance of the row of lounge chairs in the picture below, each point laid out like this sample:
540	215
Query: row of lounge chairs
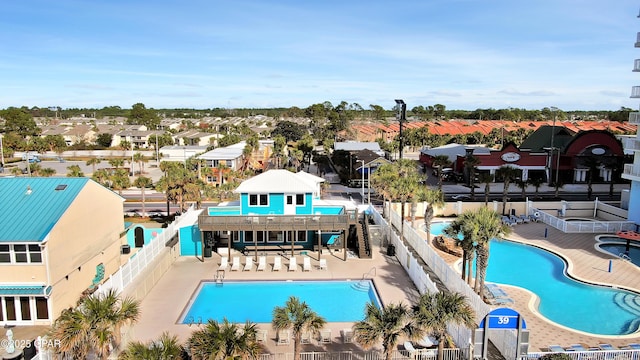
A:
600	347
283	337
512	220
262	264
495	295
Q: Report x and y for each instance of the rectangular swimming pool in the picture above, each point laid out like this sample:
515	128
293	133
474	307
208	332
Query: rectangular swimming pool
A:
239	301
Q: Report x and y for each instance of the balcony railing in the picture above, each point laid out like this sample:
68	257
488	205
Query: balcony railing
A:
634	118
275	222
638	40
631	171
631	144
636	65
635	92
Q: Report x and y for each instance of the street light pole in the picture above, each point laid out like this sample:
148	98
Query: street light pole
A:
1	153
553	131
362	185
402	117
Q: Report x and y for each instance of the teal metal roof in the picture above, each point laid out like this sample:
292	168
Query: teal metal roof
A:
31	207
6	290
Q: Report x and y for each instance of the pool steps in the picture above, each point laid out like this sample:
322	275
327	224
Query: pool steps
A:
629	302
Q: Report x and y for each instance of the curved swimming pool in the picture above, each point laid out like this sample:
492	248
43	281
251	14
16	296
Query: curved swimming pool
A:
563	300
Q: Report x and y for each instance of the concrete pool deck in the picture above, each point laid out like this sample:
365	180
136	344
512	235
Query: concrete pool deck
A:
585	263
164	304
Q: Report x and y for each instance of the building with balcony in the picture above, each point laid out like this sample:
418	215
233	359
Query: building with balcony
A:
59	237
278	210
632	171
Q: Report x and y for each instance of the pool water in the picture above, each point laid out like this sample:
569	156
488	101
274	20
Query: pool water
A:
336	301
563	300
617	249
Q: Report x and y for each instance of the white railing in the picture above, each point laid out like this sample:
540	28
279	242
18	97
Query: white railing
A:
140	260
587	226
592	355
631	170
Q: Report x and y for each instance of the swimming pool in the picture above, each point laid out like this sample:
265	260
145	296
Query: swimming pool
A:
239	301
616	246
563	300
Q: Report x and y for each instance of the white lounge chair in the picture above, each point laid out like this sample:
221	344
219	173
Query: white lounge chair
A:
262	263
607	347
323	264
409	346
293	264
235	264
347	335
306	264
556	348
277	263
248	263
224	263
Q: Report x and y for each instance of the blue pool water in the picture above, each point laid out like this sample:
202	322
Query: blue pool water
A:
589	308
620	247
336	301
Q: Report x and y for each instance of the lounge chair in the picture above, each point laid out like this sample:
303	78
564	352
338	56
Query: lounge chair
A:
325	336
235	265
409	346
515	219
277	263
248	263
534	218
507	221
634	346
607	347
576	347
306	264
525	218
347	335
293	264
556	348
224	263
262	263
323	264
283	337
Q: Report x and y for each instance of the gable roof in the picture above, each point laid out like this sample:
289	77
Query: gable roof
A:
31	207
276	181
541	138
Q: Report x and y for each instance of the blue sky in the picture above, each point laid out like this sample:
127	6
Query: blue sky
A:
464	54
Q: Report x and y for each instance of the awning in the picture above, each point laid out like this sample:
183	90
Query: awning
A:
8	290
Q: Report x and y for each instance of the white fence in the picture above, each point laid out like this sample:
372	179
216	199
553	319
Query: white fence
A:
586	226
137	263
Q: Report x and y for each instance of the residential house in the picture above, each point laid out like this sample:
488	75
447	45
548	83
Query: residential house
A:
59	237
196	138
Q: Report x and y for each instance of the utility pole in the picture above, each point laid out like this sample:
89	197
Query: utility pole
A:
402	117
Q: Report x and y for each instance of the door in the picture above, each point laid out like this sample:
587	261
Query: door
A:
289	204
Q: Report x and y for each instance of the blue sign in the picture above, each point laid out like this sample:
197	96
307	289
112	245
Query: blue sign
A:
503	318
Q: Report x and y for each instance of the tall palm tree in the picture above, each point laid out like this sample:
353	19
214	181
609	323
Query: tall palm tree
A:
507	173
486	179
487	225
93	162
439	162
143	182
436	311
404	185
116	162
470	163
522	184
462	231
120	180
224	341
139	158
380	180
94	325
433	198
387	325
279	145
166	347
298	317
536	182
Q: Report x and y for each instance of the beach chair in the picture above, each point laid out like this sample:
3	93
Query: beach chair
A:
235	264
556	348
262	263
323	264
283	337
634	346
224	263
293	264
607	347
248	263
277	263
325	336
409	347
515	219
525	218
347	335
306	264
576	347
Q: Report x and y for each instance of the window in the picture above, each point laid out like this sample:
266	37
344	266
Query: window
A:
258	200
42	308
25	309
20	252
5	254
299	199
289	200
253	200
264	200
35	256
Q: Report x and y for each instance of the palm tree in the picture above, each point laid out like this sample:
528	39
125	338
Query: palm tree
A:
35	169
470	163
74	171
94	325
536	182
116	162
439	162
224	341
507	173
433	198
47	172
142	183
166	347
298	317
522	184
592	163
93	162
403	186
436	311
388	325
140	159
279	145
487	225
120	180
486	179
380	181
464	236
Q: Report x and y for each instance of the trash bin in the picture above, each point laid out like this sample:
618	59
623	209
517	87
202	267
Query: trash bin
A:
207	251
391	250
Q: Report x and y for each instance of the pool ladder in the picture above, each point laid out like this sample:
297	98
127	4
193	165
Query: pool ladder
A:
624	256
191	321
219	277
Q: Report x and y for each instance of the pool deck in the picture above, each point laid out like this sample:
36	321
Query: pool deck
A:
163	306
585	263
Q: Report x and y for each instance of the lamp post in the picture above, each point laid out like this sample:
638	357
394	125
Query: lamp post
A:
553	131
402	117
1	153
362	184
